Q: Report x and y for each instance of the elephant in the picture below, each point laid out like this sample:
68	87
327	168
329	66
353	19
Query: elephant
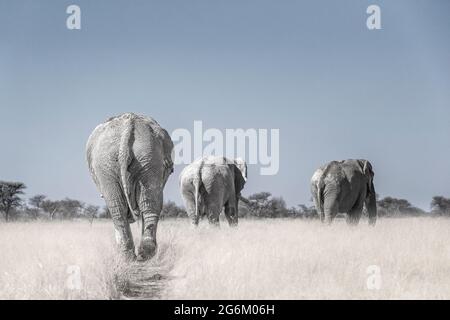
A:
344	187
130	159
211	183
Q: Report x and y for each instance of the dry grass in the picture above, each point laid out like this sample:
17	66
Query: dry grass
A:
271	259
36	259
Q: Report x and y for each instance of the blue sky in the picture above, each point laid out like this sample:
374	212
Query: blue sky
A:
309	68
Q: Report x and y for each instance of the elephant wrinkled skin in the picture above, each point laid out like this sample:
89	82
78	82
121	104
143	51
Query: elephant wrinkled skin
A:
129	158
344	187
210	184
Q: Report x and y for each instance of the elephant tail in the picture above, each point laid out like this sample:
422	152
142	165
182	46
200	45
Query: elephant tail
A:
197	181
320	186
320	198
125	159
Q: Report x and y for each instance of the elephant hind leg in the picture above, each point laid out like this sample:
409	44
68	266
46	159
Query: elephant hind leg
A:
118	207
213	213
213	218
231	214
330	209
354	215
189	202
150	206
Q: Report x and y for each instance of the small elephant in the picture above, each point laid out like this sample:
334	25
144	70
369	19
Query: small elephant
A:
210	184
129	158
345	187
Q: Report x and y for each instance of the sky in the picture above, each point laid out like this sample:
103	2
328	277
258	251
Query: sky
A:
312	69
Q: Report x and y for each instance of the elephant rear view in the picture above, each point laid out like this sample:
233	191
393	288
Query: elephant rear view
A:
344	187
210	184
129	158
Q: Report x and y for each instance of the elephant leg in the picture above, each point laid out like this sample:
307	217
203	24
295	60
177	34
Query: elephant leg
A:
371	206
354	215
213	207
194	220
213	219
118	208
331	207
320	212
150	206
213	215
231	214
190	208
322	216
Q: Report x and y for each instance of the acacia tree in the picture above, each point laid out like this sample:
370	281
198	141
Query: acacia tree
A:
50	207
91	212
259	202
172	210
70	208
389	206
37	200
264	205
36	205
10	193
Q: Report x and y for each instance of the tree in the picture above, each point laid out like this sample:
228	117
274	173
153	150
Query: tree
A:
172	210
36	205
260	196
70	208
440	206
91	212
36	201
389	206
10	193
264	205
277	208
305	212
50	207
259	203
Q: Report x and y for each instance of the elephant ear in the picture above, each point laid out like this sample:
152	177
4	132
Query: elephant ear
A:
367	170
239	180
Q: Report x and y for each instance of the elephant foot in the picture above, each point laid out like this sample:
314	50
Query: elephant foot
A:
352	221
147	249
128	255
214	222
233	224
194	222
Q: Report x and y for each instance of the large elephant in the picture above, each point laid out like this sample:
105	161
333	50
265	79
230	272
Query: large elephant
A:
344	187
129	157
210	184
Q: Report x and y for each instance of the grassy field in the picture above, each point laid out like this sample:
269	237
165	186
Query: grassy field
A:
269	259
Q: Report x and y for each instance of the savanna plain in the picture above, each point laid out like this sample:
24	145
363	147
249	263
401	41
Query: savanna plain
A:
260	259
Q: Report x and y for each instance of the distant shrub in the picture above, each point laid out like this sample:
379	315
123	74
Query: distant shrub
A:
264	205
393	207
172	210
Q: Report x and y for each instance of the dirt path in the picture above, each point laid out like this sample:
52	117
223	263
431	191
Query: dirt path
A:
142	282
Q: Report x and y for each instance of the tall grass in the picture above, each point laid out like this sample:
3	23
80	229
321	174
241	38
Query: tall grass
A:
267	259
